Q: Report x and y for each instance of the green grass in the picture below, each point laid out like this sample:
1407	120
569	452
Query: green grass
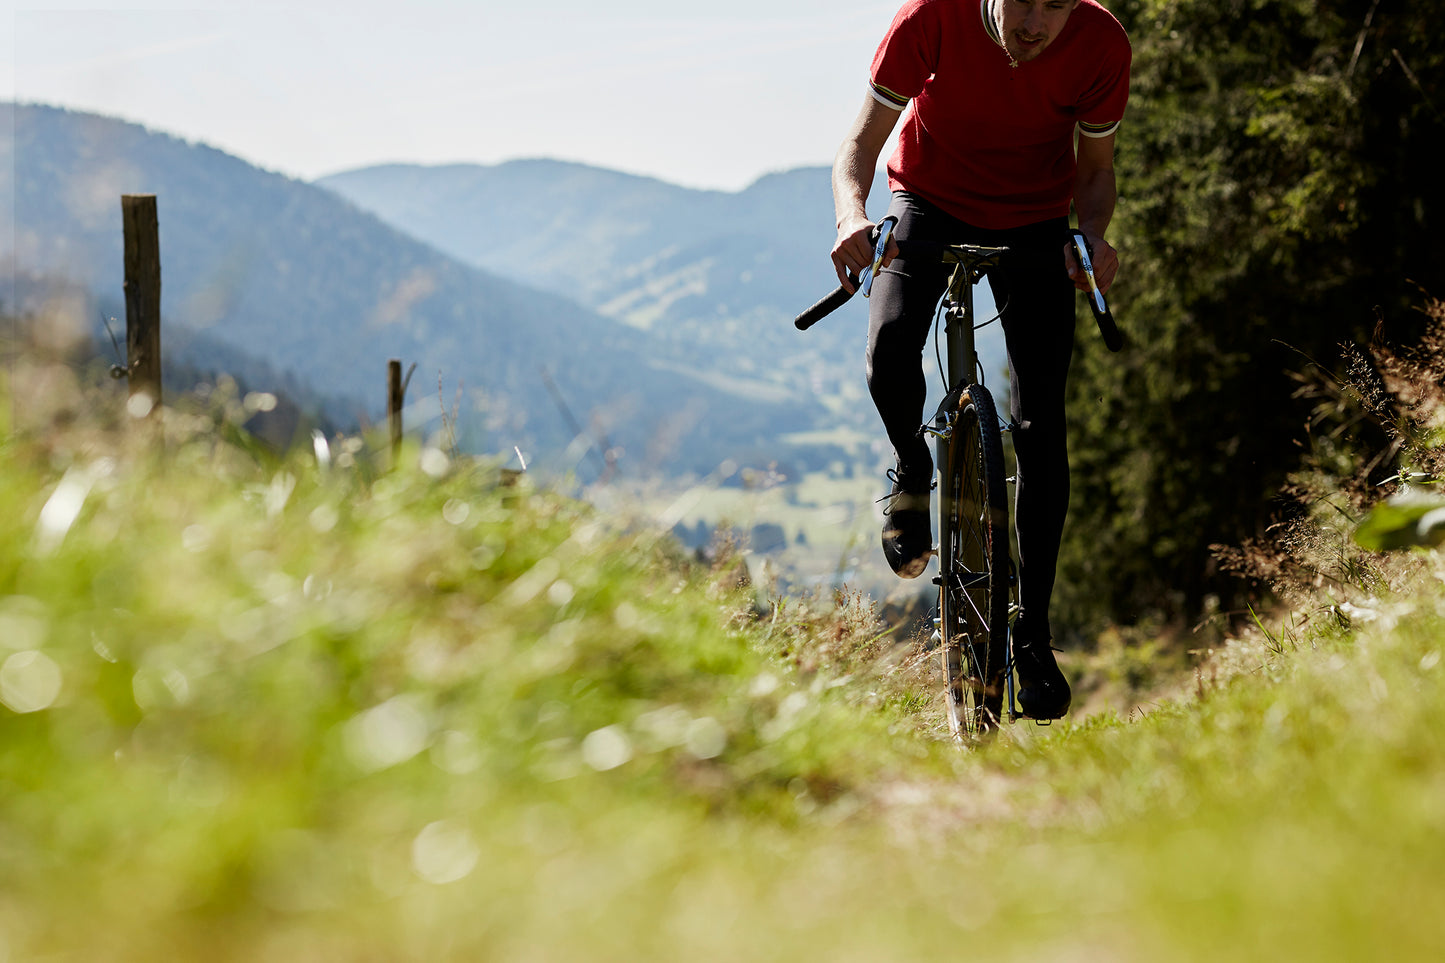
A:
253	709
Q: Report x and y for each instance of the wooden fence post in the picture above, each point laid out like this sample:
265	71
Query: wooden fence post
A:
395	393
142	296
395	398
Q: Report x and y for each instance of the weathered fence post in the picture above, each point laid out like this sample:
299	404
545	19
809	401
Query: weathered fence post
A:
142	298
395	394
395	398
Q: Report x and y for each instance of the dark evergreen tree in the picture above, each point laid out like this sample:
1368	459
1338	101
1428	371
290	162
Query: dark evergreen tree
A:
1278	196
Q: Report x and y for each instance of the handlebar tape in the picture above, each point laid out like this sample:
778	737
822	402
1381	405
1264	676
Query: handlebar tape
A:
823	308
1113	339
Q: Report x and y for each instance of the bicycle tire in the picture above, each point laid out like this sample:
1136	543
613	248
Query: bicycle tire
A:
973	595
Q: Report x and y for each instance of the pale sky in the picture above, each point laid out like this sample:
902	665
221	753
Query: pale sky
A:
701	94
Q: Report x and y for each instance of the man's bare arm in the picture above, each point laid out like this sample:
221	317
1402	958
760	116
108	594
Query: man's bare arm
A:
853	171
1094	198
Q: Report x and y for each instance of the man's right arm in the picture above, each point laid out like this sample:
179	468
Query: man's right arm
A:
853	171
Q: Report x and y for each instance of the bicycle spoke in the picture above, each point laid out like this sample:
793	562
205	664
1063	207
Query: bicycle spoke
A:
977	612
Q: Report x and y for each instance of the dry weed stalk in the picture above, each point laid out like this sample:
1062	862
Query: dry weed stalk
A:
1374	428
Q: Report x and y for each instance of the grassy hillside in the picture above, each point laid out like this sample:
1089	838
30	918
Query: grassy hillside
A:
328	709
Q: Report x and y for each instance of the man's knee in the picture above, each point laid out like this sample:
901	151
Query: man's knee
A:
892	352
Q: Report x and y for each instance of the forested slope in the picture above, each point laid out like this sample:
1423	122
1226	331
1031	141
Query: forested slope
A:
1277	197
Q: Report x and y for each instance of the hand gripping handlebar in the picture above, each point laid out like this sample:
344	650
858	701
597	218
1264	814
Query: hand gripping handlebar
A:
1112	338
882	233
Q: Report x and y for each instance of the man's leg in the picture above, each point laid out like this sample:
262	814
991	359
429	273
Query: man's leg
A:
1037	299
900	315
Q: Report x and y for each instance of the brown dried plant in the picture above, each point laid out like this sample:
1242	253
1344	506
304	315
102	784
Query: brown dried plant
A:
1374	427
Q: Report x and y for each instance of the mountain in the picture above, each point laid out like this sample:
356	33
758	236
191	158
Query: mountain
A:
324	292
708	274
723	272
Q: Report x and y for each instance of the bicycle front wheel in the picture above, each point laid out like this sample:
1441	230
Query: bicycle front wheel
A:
973	562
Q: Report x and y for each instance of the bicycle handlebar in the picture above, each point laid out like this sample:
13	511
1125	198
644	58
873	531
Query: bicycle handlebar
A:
823	308
1113	339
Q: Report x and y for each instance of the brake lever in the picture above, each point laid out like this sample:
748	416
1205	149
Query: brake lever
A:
884	230
1084	251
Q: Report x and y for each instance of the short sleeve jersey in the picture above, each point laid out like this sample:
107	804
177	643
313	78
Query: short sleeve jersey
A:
989	142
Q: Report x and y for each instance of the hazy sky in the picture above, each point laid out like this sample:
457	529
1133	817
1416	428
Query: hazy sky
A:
703	94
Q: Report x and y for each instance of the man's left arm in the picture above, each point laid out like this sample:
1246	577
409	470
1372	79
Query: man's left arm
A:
1094	197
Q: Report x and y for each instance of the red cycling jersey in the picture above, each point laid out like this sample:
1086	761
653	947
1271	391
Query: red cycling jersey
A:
987	141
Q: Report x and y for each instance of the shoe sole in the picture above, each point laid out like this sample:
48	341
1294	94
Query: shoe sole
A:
914	568
1043	716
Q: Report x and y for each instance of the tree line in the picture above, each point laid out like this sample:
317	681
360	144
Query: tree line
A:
1279	196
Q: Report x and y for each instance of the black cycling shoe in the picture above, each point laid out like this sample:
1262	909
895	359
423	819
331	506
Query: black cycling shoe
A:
907	533
1043	690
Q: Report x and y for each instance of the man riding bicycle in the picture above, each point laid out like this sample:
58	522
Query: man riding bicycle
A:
991	93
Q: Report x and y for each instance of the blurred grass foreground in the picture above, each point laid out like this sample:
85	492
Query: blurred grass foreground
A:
317	707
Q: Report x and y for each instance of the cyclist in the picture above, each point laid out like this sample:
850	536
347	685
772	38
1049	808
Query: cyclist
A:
991	93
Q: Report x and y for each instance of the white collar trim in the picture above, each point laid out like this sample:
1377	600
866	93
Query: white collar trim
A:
988	23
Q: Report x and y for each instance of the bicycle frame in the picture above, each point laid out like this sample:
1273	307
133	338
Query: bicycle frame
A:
971	264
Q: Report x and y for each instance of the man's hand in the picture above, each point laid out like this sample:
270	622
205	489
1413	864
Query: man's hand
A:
1105	260
853	251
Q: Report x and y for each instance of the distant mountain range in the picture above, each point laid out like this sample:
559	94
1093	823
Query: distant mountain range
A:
297	278
553	295
714	278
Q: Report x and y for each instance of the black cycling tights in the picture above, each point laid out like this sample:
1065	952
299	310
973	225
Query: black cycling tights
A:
1037	301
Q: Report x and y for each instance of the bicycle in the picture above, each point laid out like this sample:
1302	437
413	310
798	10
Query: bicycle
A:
977	584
